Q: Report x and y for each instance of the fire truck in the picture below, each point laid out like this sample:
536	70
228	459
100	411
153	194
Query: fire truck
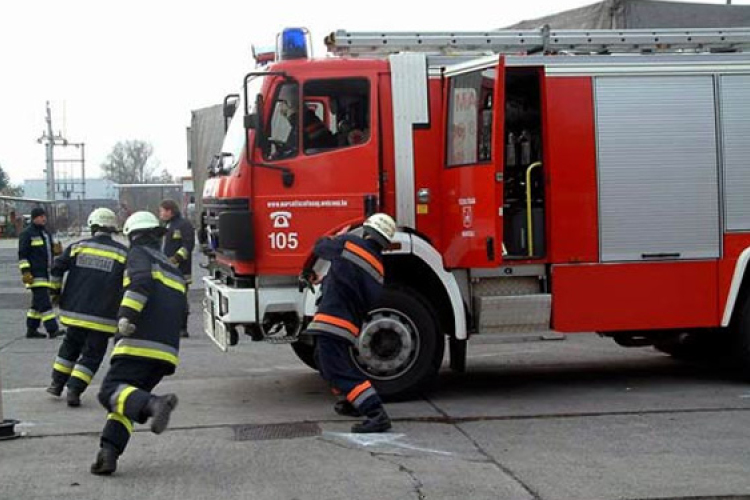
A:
583	181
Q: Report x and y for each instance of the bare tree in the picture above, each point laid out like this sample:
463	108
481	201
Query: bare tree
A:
165	177
128	163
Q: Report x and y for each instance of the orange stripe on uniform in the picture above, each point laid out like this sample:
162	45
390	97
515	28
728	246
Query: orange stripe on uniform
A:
333	320
365	255
358	390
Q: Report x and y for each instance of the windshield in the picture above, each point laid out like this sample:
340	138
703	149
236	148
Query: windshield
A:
234	142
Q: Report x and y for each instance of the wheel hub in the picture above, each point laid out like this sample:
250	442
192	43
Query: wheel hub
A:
387	345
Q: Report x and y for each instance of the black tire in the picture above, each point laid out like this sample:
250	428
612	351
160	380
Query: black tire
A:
400	347
306	353
709	346
740	337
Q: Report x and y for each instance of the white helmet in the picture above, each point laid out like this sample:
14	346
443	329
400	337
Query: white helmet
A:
381	225
103	218
140	221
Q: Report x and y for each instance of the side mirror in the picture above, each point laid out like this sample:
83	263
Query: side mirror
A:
230	106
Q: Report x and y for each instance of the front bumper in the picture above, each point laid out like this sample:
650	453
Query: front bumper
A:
225	307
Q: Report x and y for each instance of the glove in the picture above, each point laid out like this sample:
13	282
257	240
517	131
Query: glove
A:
54	298
125	327
306	280
174	260
57	248
27	278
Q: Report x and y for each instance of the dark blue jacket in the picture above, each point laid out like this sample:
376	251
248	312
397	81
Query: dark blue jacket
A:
155	302
93	287
351	287
179	241
35	254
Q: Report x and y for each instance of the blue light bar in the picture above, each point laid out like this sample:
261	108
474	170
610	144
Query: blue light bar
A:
293	43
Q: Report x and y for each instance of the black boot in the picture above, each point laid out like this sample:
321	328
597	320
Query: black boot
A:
159	408
31	333
106	462
56	334
346	409
56	388
74	398
377	421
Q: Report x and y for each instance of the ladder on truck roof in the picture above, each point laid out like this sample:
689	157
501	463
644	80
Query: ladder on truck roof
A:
543	40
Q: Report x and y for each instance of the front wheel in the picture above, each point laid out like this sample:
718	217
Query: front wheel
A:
400	347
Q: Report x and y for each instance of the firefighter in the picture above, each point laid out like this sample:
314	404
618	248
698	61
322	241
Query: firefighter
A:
147	344
178	244
92	266
315	134
36	250
348	292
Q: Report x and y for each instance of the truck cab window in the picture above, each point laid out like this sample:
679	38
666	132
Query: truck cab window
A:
336	114
470	118
283	126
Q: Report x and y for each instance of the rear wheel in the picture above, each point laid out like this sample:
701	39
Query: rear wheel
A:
740	335
400	347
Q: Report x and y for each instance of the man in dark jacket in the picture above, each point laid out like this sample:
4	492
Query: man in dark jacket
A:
149	342
35	253
178	244
349	290
88	304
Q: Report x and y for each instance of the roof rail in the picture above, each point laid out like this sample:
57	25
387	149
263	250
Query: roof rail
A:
543	40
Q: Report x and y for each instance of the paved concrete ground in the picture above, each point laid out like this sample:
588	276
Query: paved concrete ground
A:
574	419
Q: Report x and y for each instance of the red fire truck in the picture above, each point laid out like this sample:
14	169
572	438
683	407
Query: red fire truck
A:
584	181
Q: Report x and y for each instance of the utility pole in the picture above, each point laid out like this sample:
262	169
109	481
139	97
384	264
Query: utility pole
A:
49	139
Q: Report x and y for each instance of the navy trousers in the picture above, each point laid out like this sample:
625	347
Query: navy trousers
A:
124	393
347	381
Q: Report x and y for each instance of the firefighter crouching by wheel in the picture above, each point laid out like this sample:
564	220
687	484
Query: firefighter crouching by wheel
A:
349	291
35	253
147	345
88	304
178	244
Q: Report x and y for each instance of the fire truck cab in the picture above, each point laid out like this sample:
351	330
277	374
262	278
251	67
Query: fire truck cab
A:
595	181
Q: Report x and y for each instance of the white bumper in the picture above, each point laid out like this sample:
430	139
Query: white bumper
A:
225	307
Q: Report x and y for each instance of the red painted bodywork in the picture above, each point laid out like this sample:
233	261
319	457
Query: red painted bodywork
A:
329	188
570	159
637	296
587	295
472	197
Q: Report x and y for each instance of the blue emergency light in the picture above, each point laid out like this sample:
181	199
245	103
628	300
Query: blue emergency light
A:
293	43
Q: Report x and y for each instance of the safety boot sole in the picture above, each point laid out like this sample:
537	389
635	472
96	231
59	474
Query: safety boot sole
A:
163	408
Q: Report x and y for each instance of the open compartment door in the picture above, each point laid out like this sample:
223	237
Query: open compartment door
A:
474	97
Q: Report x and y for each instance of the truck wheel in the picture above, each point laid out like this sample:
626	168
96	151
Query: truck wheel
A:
400	347
708	346
306	353
740	335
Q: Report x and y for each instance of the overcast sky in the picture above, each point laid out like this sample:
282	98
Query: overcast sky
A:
133	70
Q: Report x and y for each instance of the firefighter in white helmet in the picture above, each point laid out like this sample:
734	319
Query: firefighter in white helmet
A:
349	292
148	325
88	303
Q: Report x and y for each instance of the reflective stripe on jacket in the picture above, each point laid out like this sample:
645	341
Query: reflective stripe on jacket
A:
351	287
179	241
35	254
155	301
93	287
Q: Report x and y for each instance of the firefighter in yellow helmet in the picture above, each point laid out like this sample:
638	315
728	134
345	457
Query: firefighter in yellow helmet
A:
88	303
349	290
148	342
